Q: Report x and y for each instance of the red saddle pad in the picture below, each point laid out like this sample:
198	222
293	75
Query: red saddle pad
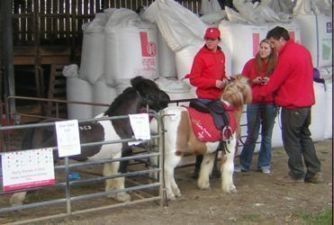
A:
204	127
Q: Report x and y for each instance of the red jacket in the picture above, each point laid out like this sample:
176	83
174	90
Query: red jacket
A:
250	72
292	79
207	67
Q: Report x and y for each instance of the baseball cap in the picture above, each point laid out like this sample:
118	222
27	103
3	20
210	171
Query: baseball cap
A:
212	33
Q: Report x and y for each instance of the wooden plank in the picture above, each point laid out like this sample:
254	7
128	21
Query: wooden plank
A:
67	22
48	27
42	18
61	19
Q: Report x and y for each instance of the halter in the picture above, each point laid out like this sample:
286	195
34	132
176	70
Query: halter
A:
146	108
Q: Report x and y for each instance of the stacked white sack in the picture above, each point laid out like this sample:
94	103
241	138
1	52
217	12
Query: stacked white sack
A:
242	40
102	94
316	36
176	89
166	57
313	7
182	30
131	47
318	121
92	55
179	26
329	110
77	90
209	7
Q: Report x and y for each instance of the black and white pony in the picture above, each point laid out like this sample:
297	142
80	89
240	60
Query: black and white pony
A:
180	138
143	95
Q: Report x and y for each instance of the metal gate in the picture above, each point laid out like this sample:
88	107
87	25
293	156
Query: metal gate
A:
144	181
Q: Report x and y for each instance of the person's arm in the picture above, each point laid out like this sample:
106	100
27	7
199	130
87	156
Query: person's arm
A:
247	71
277	78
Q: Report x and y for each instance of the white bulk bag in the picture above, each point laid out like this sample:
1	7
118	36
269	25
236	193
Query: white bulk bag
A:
209	6
121	86
329	110
292	27
166	58
318	122
104	94
131	47
242	41
81	91
184	59
316	36
92	55
176	89
178	25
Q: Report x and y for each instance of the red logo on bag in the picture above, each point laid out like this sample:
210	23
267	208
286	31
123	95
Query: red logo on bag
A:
148	49
256	42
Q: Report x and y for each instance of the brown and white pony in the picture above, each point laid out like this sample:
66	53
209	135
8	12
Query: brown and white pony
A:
180	138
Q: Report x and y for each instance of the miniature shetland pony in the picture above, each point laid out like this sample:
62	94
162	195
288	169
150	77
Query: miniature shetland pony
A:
180	138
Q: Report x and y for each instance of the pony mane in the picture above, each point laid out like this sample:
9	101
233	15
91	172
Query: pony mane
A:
237	92
126	96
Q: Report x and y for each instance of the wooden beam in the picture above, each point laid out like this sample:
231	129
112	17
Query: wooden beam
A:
7	53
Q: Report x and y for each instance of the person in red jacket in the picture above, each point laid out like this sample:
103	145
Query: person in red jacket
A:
261	112
292	85
208	73
208	69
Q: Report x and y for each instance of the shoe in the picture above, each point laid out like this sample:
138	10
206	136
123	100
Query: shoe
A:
290	180
316	178
266	170
239	169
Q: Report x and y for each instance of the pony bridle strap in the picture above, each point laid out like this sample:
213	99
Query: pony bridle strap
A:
146	108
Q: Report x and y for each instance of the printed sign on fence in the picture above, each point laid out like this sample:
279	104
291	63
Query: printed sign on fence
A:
27	169
68	138
141	126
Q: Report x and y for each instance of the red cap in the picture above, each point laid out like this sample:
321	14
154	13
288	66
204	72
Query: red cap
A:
212	33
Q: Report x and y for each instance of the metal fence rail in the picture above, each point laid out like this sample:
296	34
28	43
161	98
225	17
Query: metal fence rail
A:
152	185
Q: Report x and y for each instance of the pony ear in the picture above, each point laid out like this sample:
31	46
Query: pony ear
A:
135	82
141	83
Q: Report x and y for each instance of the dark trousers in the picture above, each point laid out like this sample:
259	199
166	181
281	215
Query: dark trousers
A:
298	143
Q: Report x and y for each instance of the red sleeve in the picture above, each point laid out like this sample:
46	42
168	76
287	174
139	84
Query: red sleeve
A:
247	70
279	75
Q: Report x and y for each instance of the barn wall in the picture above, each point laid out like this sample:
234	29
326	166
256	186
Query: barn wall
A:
58	22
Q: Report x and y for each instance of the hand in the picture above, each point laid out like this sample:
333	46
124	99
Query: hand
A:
265	80
221	83
257	80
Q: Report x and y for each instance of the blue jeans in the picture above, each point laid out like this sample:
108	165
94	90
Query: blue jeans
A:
264	115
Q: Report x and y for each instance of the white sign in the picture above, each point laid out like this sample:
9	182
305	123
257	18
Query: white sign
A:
141	126
27	169
68	138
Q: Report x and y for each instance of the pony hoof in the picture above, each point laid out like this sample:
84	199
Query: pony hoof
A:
178	194
171	197
203	185
121	196
17	199
230	189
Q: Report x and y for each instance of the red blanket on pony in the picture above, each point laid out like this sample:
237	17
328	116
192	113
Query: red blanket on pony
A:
205	129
